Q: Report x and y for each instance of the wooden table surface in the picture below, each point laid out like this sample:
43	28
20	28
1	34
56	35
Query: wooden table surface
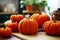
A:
38	36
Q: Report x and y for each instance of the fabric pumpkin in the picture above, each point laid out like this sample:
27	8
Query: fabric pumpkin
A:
28	26
5	32
16	17
52	28
40	18
12	25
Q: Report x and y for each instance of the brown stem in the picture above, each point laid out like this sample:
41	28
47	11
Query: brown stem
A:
39	12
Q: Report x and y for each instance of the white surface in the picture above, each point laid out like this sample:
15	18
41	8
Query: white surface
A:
7	22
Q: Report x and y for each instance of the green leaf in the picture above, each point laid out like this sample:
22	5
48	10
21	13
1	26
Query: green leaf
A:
48	8
29	2
43	0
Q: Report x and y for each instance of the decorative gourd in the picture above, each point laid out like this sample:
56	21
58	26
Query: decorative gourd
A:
40	18
52	27
12	25
5	31
16	17
28	26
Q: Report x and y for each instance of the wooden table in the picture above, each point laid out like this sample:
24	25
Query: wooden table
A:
38	36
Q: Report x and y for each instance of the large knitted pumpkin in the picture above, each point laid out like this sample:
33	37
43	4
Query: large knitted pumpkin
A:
5	31
16	17
52	27
12	25
28	26
40	18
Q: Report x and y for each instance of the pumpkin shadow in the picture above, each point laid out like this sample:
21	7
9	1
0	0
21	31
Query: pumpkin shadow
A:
6	37
40	29
58	36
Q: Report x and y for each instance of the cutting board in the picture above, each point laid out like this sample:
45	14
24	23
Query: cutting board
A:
38	36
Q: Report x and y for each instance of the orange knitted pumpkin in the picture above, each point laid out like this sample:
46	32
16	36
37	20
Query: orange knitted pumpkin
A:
52	27
28	26
12	25
16	17
5	32
40	18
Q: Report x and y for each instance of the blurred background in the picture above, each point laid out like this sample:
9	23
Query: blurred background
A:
8	7
54	4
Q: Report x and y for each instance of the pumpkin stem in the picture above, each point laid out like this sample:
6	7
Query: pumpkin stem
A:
27	16
38	12
2	25
42	12
54	18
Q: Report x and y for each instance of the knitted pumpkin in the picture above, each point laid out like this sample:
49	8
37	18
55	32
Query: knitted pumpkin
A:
12	25
5	31
28	26
40	18
52	27
16	17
